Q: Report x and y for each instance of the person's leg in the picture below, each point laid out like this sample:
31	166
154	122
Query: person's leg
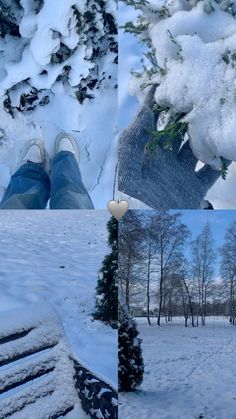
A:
29	187
67	188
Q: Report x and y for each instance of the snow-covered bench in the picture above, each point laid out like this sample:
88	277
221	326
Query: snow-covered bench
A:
39	377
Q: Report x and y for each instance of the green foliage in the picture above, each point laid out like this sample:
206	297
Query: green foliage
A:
146	84
110	23
131	366
79	19
9	24
150	71
224	168
82	94
151	56
137	4
163	12
106	307
175	129
157	108
97	29
136	28
208	8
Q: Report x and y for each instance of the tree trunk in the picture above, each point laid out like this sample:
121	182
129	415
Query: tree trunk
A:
202	302
161	299
161	284
127	286
148	290
191	312
170	309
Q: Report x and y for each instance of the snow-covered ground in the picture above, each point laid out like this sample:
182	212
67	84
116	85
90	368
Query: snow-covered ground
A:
60	74
131	52
189	372
54	256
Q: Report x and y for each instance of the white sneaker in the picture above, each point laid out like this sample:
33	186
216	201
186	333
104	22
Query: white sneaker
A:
65	142
33	152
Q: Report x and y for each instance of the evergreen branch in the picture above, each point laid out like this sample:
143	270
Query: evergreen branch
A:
224	168
137	28
144	85
136	3
169	134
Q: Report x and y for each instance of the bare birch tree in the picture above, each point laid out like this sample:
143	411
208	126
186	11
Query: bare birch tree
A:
228	269
170	235
203	260
129	254
187	292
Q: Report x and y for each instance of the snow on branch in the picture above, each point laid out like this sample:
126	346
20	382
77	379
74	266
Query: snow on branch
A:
191	60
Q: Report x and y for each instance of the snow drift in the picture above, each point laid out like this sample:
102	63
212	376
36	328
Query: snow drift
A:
192	57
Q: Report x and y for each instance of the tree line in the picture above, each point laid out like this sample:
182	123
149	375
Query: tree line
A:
167	273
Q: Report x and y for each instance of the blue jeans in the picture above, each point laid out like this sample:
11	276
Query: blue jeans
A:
31	188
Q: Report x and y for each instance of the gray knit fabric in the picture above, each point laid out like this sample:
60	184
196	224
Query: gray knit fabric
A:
162	179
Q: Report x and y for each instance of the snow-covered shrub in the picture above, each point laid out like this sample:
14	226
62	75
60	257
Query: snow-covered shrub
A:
131	368
191	59
48	47
58	72
106	308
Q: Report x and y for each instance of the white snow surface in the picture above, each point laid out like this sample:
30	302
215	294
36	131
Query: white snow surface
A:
188	372
26	64
198	81
194	47
54	256
184	24
44	329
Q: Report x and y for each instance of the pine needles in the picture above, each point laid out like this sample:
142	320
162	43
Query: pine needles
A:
166	137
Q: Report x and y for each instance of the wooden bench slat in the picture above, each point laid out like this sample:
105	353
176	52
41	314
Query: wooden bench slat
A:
16	374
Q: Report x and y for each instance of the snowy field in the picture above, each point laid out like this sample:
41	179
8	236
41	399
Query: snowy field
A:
53	256
189	372
59	73
131	52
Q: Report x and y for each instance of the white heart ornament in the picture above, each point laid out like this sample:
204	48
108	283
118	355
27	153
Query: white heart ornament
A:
118	209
